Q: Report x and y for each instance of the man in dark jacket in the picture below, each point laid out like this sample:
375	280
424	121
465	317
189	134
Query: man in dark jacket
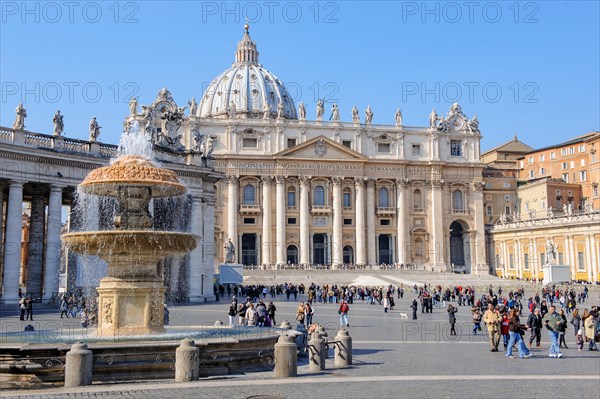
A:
534	322
452	318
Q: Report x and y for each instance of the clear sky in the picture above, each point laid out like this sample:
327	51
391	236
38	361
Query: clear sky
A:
530	68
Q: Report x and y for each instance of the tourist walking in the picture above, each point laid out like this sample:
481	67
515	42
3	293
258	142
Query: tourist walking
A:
516	330
505	329
271	309
29	308
552	321
23	307
534	322
232	312
492	320
242	308
414	308
452	318
261	313
577	326
300	316
308	313
343	312
476	319
561	330
251	315
590	324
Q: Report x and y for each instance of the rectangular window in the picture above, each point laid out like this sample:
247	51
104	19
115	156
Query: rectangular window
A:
521	164
565	177
249	220
569	193
291	198
489	210
563	152
526	261
564	166
456	148
384	222
552	155
511	261
542	171
530	161
594	157
558	193
348	222
416	149
384	148
581	147
572	164
507	198
291	221
596	191
583	175
571	150
249	143
582	162
542	157
580	262
291	143
531	174
507	210
347	143
347	200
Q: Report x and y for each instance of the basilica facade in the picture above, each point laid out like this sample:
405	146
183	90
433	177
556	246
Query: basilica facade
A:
327	192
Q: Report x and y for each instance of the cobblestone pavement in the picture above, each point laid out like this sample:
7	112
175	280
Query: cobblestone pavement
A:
394	357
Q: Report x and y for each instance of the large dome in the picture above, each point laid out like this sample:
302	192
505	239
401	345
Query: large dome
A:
250	87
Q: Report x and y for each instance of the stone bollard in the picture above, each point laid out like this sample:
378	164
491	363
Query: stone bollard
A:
187	363
286	325
323	334
286	357
343	349
316	353
79	366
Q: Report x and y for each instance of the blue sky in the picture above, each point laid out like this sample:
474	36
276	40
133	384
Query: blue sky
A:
530	68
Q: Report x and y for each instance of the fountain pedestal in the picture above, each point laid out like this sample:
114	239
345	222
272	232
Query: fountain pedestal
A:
128	308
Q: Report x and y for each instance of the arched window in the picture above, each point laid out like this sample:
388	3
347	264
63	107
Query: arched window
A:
319	196
249	194
347	198
457	200
384	198
417	200
291	196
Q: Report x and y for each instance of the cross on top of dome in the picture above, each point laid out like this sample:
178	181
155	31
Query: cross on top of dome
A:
246	50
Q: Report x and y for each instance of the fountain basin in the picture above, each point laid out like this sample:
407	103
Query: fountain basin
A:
128	243
132	171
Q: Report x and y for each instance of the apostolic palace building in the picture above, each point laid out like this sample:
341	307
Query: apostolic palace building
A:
337	191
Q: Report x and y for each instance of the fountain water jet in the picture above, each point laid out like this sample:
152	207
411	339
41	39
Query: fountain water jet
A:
131	296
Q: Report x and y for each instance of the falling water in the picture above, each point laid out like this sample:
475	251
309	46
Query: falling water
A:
135	142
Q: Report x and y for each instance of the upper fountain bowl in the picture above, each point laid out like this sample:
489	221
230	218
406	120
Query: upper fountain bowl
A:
132	170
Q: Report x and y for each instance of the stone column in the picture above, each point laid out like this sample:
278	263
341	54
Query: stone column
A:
479	244
195	257
371	255
280	220
2	186
304	221
336	247
594	265
208	240
588	258
573	257
267	240
232	211
533	260
402	222
437	225
12	246
519	258
359	183
35	247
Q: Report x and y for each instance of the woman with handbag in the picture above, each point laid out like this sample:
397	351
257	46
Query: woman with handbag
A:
300	315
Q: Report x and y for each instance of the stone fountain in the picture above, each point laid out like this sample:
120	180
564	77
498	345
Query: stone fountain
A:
131	296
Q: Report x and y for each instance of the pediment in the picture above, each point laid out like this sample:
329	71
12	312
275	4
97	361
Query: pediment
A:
320	148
